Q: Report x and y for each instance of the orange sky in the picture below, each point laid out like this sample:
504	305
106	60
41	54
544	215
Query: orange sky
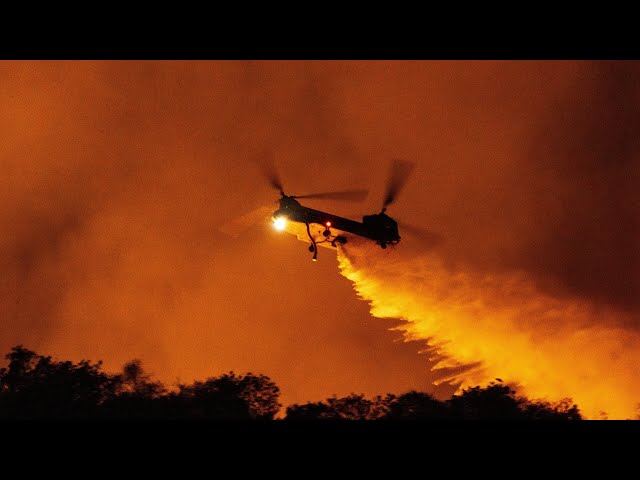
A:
116	176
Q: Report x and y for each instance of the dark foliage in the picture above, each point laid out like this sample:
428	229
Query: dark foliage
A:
494	402
135	395
498	402
353	407
417	405
229	396
35	386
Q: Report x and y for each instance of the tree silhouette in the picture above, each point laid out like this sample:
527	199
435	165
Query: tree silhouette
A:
565	409
136	396
134	380
494	401
309	411
497	401
34	386
351	407
229	396
416	405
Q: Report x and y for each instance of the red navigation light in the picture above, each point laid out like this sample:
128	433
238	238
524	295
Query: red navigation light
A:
328	224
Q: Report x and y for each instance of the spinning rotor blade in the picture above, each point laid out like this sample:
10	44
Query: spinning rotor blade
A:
269	170
428	238
236	226
400	171
346	196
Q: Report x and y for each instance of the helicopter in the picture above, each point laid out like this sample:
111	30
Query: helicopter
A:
378	227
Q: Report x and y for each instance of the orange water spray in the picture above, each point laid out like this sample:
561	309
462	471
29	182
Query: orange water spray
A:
502	326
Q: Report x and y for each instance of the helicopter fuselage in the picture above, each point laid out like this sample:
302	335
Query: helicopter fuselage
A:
377	227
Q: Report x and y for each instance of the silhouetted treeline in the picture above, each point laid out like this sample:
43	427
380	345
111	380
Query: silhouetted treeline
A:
35	386
495	401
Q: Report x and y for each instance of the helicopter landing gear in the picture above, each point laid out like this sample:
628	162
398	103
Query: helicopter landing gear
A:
313	247
328	237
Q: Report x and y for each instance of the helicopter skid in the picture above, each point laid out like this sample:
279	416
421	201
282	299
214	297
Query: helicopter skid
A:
315	237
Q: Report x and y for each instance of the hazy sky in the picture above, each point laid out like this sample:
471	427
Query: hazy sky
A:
117	175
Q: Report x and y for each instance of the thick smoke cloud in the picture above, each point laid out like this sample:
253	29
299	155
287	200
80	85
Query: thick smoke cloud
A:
588	168
117	175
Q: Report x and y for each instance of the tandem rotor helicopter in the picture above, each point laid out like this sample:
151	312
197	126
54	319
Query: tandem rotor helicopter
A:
378	227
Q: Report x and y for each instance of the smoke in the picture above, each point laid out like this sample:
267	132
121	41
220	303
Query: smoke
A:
578	206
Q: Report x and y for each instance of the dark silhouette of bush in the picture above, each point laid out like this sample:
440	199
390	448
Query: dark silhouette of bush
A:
563	410
309	411
493	402
416	405
35	386
352	407
135	395
228	396
411	405
499	402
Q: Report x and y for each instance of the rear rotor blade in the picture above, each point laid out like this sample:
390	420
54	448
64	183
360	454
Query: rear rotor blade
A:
238	225
426	237
346	196
400	171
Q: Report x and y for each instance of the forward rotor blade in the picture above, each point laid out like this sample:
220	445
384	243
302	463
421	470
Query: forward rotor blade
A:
238	225
400	171
345	196
267	164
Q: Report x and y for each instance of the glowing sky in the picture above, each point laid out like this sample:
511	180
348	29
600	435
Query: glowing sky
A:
117	175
